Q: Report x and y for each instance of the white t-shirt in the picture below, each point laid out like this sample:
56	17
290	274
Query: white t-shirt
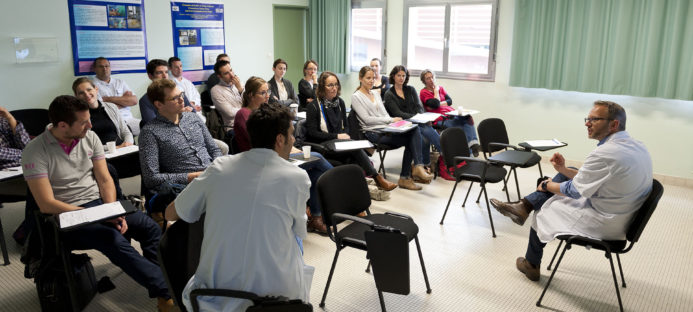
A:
255	204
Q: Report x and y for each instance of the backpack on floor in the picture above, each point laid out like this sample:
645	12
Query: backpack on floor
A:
52	287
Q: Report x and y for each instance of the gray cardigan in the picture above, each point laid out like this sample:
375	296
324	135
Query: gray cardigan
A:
369	113
121	127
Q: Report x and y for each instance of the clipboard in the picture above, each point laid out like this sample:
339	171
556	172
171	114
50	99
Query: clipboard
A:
71	220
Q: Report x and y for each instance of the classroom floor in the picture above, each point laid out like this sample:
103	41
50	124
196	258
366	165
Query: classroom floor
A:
467	268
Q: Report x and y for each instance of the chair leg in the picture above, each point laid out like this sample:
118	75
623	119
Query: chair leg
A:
620	269
505	188
3	245
329	278
423	266
554	255
552	274
381	169
517	184
479	197
613	274
448	206
541	174
488	208
368	267
382	300
468	190
505	181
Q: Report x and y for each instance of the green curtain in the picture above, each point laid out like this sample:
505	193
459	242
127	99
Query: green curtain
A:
631	47
329	22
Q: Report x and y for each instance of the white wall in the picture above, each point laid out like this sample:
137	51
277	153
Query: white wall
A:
663	125
249	43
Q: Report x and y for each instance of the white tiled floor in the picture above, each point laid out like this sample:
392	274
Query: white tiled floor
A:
468	269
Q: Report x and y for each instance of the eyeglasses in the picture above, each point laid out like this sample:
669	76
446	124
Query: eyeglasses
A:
265	93
178	97
332	85
593	119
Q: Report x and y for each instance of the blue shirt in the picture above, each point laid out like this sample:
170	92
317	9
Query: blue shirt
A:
567	187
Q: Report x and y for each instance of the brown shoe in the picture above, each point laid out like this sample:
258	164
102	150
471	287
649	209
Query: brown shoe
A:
315	224
165	305
528	269
408	184
362	214
383	183
420	176
517	211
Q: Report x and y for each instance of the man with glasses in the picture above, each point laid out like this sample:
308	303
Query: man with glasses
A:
598	200
175	147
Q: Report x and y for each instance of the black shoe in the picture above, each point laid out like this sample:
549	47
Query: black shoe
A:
475	150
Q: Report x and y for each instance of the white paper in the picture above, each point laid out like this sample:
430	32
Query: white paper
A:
10	172
105	211
352	145
463	112
95	43
424	118
541	143
123	151
399	129
301	115
296	162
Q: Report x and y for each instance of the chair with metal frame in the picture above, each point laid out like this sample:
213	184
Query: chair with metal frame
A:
380	148
494	138
343	195
455	151
617	247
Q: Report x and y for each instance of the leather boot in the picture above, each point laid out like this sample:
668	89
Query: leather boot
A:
408	184
165	304
384	184
517	211
420	176
315	224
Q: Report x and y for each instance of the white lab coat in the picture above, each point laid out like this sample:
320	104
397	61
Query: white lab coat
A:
614	181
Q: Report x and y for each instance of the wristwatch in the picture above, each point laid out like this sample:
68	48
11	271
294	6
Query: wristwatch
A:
544	186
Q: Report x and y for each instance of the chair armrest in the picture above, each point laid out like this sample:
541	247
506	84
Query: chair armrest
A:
460	159
316	147
503	145
400	215
339	217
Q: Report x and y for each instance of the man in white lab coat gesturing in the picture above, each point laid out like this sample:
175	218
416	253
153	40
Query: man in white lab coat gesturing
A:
598	200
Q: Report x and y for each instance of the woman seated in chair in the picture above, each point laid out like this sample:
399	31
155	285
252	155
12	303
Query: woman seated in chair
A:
436	100
371	112
402	101
256	94
308	85
326	120
282	89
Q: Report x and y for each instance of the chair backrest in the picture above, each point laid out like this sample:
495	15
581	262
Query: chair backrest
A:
454	143
645	212
179	255
354	126
206	100
492	130
300	133
344	190
34	120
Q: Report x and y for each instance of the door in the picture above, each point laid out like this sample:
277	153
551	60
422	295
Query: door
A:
290	40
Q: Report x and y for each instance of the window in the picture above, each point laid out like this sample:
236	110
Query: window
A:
456	39
367	35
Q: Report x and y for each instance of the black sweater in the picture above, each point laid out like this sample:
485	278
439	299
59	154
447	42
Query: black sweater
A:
405	107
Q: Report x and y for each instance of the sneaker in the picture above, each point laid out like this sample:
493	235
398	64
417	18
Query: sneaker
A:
378	194
531	272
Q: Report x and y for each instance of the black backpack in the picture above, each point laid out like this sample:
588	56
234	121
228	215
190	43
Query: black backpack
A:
52	286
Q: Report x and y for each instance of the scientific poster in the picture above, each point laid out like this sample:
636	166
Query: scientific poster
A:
198	36
113	29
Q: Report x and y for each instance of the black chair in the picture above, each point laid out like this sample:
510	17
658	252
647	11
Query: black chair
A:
34	120
635	229
343	194
494	138
455	151
179	255
3	245
206	101
260	304
356	133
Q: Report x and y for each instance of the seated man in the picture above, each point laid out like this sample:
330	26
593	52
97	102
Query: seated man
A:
13	139
226	95
65	169
250	235
157	69
116	91
597	200
213	79
175	147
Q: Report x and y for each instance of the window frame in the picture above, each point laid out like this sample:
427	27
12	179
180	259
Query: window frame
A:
369	4
490	76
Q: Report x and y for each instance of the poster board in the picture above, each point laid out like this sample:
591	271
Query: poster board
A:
114	29
198	36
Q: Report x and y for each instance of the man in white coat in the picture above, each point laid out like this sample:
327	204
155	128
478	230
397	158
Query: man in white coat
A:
598	200
255	204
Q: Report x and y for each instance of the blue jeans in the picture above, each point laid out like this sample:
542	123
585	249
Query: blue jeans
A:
315	169
104	237
411	141
430	136
462	122
535	247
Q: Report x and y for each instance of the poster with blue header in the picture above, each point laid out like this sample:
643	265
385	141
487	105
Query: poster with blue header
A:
113	29
198	36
